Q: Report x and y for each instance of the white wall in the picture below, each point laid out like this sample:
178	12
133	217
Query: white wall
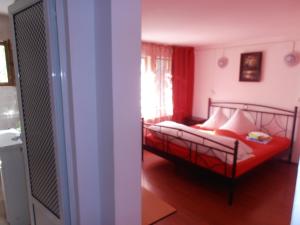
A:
4	27
8	94
279	86
81	31
9	112
104	48
296	207
126	56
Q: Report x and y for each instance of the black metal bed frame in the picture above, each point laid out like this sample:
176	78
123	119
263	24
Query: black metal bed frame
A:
262	116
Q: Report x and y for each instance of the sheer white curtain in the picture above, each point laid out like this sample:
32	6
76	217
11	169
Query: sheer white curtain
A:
156	82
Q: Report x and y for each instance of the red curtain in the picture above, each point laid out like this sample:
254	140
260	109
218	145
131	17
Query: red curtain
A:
183	61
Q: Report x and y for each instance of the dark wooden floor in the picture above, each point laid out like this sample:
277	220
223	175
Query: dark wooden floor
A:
262	197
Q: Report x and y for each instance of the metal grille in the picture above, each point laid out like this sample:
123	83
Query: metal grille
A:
36	103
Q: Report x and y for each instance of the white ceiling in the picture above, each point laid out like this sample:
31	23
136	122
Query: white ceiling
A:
219	22
215	22
4	6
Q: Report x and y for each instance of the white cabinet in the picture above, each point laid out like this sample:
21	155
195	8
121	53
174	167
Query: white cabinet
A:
14	185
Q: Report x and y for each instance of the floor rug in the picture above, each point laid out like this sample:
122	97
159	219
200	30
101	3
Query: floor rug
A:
153	208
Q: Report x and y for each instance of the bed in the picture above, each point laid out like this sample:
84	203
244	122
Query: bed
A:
222	151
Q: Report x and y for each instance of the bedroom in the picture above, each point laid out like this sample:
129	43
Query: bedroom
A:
244	27
123	165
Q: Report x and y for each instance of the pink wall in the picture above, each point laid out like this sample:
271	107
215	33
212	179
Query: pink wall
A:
280	84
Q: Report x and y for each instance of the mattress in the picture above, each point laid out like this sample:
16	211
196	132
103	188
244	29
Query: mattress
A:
261	153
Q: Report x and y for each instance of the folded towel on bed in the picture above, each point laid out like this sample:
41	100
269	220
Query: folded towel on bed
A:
259	137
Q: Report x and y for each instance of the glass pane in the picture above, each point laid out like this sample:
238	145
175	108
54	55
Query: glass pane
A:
3	66
156	88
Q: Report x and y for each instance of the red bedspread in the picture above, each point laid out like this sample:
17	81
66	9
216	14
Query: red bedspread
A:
262	152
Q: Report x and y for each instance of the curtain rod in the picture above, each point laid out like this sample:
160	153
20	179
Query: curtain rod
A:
199	48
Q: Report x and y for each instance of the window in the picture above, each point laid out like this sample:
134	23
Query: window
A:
7	77
156	88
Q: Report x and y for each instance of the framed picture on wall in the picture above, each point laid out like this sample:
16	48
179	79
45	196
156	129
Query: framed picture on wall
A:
250	67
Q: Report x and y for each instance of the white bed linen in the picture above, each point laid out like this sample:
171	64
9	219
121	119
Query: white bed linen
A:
189	133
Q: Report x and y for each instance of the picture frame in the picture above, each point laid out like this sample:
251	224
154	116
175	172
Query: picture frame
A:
250	66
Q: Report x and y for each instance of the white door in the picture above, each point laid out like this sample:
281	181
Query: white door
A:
37	67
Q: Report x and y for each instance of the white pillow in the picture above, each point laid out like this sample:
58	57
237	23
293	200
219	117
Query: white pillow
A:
239	123
216	120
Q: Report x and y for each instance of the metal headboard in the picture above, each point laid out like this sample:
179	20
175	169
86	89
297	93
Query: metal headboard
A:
264	116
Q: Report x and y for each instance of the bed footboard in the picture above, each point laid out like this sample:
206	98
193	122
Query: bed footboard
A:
192	153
